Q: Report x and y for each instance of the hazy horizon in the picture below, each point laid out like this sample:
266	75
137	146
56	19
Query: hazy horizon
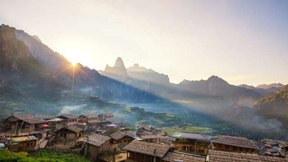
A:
243	42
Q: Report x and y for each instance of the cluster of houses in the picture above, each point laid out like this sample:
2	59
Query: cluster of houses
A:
102	138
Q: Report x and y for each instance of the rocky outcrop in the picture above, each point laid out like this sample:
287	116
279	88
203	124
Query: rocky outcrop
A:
147	75
118	70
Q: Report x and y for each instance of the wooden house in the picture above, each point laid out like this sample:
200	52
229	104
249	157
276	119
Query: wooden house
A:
235	144
70	120
192	143
154	138
109	116
24	123
67	136
224	156
89	121
145	151
123	138
27	143
56	123
97	144
182	157
147	130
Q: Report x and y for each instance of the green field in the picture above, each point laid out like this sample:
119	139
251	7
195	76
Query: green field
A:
187	129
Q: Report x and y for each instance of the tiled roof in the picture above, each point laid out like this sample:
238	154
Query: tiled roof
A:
236	141
74	129
109	115
193	136
89	116
222	156
31	119
152	149
152	137
118	135
97	139
173	156
46	117
68	116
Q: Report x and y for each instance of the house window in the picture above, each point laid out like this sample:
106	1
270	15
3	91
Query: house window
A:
234	148
227	147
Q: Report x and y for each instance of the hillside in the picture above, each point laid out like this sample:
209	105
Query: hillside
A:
274	105
86	79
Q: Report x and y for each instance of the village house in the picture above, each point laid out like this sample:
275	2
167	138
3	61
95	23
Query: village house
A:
123	138
88	119
97	144
154	138
182	157
67	136
145	151
70	120
56	123
109	116
192	143
147	130
271	147
26	143
46	117
235	144
224	156
24	123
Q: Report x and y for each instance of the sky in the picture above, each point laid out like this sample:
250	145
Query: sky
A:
241	41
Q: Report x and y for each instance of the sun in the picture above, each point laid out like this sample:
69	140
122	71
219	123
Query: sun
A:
74	63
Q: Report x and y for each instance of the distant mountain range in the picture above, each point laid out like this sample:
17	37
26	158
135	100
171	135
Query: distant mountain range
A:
264	89
158	84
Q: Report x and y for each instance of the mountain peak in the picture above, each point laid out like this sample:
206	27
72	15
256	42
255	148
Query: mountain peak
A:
216	80
118	69
119	63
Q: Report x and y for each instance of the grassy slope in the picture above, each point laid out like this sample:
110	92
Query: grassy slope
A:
274	105
41	156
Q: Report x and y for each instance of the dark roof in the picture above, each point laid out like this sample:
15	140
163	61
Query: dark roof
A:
118	135
152	137
68	116
223	156
152	149
109	115
193	136
71	128
31	119
89	116
46	117
173	156
113	121
97	139
236	141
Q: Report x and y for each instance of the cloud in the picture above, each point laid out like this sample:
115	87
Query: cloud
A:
69	109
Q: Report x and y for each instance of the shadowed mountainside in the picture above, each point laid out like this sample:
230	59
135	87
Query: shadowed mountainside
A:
86	79
274	105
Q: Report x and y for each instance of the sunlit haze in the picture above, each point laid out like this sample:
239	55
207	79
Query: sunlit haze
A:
241	41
